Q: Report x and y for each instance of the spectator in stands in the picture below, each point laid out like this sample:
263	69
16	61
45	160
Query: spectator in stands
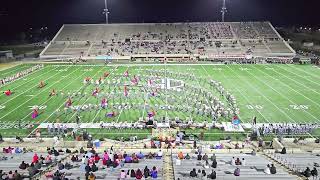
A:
35	158
87	168
267	170
68	166
213	175
146	172
132	173
193	173
243	162
214	163
253	153
128	159
187	157
238	162
92	177
284	150
180	155
135	158
213	157
139	174
159	154
236	172
17	176
273	169
154	173
203	173
314	173
94	168
10	175
60	165
32	170
140	155
205	157
123	175
233	161
199	157
23	165
307	172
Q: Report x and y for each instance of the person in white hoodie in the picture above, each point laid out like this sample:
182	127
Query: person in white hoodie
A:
267	170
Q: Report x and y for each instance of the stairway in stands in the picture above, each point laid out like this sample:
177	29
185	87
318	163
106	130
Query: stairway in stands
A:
168	173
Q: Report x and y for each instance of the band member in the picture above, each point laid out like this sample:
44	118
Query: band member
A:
52	93
68	103
8	92
42	84
35	113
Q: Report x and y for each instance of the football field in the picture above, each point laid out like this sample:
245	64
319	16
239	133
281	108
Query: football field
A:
272	93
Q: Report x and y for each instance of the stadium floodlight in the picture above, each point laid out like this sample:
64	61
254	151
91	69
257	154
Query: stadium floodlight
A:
223	10
106	11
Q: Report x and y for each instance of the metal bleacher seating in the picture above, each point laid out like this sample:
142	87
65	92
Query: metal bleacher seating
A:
252	170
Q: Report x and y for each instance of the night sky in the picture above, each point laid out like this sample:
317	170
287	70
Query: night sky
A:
18	15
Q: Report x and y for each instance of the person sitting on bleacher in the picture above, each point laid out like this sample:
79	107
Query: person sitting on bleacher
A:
267	170
243	162
123	175
214	163
187	157
307	172
213	175
32	170
180	155
233	161
273	169
128	159
193	173
314	173
139	174
17	176
35	158
73	158
159	154
150	155
284	150
146	172
38	165
213	157
236	172
238	162
18	150
68	166
23	165
60	166
87	168
96	158
132	173
135	158
199	157
154	172
205	157
91	177
140	155
94	167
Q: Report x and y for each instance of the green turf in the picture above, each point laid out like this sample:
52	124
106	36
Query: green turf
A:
273	93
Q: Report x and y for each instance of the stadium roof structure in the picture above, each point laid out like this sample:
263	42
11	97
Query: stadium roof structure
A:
214	40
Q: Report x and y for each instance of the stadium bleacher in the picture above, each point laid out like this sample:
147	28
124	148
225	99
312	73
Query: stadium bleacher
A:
211	39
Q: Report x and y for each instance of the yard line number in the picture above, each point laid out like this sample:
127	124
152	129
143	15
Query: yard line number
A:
298	107
39	107
252	106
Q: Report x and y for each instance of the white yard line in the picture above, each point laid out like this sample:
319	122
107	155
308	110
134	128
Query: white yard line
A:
44	103
298	91
15	96
45	120
297	82
25	77
301	76
278	92
88	94
31	97
96	115
242	95
306	72
12	70
253	87
292	89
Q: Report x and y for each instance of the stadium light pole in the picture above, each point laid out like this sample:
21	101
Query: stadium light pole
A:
223	10
106	11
